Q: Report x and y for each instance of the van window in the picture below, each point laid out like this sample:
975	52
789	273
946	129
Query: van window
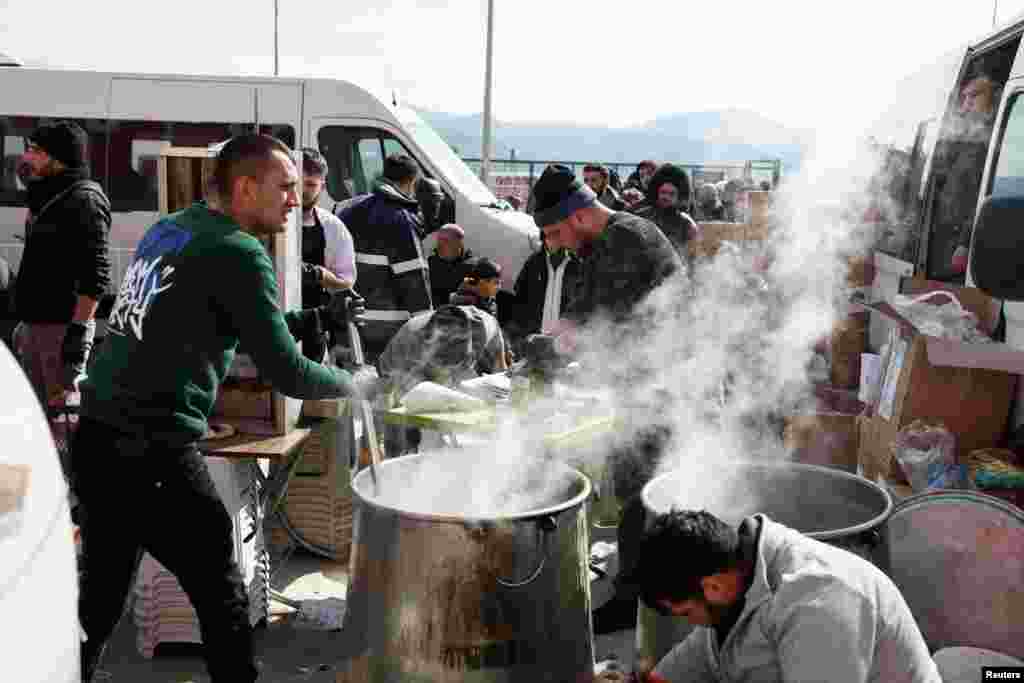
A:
1008	176
135	150
355	157
959	162
904	138
14	130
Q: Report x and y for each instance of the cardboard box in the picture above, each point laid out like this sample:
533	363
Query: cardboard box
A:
826	434
760	203
969	387
245	399
713	233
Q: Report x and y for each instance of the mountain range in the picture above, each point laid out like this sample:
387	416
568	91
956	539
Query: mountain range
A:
706	137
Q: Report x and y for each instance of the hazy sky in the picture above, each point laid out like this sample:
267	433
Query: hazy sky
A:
605	62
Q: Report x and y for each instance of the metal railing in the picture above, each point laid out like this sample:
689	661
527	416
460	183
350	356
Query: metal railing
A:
530	170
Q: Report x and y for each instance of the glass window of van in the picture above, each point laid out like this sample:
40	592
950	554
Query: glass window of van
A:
1008	176
448	162
134	152
355	158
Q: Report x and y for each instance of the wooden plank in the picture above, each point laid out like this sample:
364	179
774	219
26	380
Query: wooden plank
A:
252	446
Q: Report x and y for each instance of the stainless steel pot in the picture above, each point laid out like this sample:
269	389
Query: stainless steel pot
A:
444	598
824	503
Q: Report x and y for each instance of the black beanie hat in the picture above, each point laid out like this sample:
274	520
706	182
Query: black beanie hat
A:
559	194
484	269
65	141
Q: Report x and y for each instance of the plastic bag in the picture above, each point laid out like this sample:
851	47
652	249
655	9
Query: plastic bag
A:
946	321
428	397
927	454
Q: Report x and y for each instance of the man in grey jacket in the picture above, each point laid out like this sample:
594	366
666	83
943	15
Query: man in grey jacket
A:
773	605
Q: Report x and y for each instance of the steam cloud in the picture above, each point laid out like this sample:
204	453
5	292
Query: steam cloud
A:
719	355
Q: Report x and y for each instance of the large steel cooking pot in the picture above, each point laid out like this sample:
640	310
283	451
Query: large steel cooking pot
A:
958	559
447	597
824	503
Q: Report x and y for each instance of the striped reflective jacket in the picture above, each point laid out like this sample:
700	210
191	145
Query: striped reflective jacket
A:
393	275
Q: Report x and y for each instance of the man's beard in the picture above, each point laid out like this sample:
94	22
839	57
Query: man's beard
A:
309	203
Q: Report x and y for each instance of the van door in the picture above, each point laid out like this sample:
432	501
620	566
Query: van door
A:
965	137
1005	178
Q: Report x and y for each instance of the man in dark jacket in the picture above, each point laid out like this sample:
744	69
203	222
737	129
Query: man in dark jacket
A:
641	177
65	267
393	274
667	192
173	333
625	258
598	178
546	283
449	264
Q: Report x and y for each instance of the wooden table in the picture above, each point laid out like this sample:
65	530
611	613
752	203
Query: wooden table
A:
285	454
273	448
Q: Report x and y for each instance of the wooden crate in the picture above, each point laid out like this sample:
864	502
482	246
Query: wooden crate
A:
319	503
183	176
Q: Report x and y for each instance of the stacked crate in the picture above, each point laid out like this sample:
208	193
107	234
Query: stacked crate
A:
163	612
319	501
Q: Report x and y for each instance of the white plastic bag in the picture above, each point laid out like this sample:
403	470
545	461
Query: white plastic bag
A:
946	321
430	397
926	452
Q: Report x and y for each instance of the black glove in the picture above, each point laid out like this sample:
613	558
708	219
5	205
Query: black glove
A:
310	275
74	351
344	307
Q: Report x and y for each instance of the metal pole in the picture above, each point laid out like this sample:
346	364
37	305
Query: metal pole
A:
995	9
276	12
485	157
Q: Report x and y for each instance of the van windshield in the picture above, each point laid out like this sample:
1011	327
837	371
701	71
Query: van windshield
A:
448	163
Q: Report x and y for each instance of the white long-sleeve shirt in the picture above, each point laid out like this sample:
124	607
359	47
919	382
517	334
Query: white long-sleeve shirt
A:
339	253
814	613
553	293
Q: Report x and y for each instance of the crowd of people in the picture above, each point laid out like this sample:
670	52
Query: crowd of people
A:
149	390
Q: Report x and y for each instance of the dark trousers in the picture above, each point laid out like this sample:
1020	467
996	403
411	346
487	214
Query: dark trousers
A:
144	496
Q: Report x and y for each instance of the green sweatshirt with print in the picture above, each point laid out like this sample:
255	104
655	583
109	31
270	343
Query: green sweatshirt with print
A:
196	288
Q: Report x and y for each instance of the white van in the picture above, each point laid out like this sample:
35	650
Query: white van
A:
934	154
933	157
128	117
929	155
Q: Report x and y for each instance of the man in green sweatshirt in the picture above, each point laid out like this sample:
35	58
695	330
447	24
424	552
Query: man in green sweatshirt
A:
200	284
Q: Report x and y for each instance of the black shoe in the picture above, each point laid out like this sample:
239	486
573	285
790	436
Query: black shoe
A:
617	614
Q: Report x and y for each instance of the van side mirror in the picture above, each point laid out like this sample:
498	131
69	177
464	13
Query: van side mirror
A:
997	254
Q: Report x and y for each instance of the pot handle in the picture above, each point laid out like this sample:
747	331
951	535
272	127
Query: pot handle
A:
545	527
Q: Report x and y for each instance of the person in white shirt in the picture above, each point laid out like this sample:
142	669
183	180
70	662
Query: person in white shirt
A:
328	255
773	605
546	283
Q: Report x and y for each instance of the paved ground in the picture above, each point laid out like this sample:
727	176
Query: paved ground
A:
287	653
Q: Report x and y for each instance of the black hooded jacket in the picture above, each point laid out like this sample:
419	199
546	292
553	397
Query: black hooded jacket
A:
66	247
446	276
677	225
393	275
